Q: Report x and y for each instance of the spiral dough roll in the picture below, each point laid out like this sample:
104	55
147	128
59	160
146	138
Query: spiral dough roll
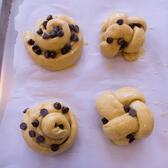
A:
123	35
125	115
49	127
57	43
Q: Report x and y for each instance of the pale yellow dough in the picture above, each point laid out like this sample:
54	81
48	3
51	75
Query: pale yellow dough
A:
61	61
49	128
134	36
120	124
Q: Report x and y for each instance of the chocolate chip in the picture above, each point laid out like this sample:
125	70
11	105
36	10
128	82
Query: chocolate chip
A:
74	28
23	126
54	147
43	112
132	113
49	17
66	49
61	126
30	41
120	21
131	140
57	31
104	120
130	137
40	139
126	108
71	27
45	24
50	54
35	123
60	33
32	133
74	37
37	49
122	43
47	54
53	34
46	36
109	40
57	28
65	110
39	31
24	111
57	105
135	24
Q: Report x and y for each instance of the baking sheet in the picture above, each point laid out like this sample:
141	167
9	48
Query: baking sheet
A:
7	42
79	86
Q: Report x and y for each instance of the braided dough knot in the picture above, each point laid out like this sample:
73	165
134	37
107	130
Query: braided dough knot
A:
57	43
125	115
49	127
123	34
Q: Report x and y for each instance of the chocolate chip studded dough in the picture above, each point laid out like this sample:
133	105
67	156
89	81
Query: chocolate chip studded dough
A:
123	35
125	115
49	128
57	43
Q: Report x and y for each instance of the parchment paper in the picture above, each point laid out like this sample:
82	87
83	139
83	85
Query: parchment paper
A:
79	86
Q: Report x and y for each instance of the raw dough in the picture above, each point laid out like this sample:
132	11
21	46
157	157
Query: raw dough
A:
125	115
49	127
57	43
123	34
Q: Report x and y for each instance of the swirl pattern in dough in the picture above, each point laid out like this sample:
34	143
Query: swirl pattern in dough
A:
49	127
123	34
57	43
125	115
